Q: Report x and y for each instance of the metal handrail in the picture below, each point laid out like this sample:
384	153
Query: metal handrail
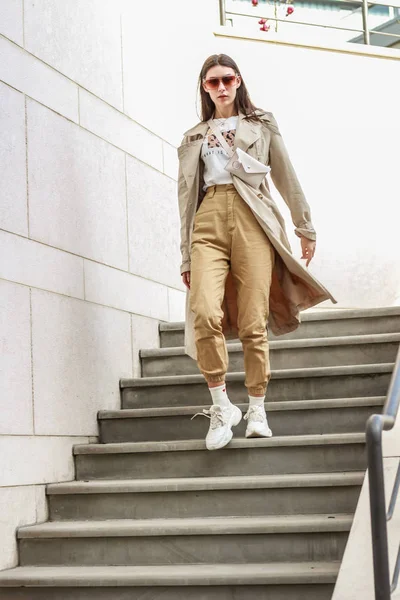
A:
292	22
374	427
364	4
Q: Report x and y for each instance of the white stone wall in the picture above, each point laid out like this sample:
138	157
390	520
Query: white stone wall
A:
89	253
338	114
94	98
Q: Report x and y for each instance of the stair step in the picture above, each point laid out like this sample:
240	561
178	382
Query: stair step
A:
309	493
338	415
185	445
289	384
315	323
260	519
286	454
201	526
271	581
182	541
183	484
298	353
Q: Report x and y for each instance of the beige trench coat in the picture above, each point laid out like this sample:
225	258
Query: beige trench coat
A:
293	288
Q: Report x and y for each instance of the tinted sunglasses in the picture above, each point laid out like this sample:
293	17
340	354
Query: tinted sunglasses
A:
213	82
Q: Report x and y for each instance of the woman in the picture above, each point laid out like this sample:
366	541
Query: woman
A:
237	262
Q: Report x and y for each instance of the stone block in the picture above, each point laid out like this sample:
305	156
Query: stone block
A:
35	264
112	287
119	130
11	21
154	224
82	40
15	360
77	196
177	302
18	506
30	460
144	335
13	208
171	163
37	80
80	351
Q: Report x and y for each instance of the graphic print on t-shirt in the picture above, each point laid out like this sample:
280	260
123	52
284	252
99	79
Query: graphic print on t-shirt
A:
212	145
213	142
215	156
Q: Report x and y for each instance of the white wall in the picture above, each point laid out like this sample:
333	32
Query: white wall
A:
338	114
89	256
94	97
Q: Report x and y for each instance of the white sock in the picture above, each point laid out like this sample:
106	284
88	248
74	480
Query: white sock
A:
219	395
256	401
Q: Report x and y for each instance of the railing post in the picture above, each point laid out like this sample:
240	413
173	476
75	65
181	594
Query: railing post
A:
222	14
378	508
365	21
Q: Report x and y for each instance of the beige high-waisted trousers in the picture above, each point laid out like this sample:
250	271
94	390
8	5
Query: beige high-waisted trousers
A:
227	236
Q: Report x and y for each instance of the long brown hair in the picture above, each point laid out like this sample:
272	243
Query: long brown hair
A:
242	99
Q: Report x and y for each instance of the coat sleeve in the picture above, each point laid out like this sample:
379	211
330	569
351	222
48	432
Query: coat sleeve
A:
285	180
182	201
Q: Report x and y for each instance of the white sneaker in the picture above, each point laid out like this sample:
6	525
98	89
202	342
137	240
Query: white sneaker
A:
257	425
222	419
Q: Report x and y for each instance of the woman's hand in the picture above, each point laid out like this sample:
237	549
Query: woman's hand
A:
186	278
308	249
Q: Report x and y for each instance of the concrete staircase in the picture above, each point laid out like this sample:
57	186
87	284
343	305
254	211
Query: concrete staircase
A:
153	515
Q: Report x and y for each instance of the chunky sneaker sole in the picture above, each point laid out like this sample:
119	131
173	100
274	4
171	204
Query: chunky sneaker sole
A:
257	425
222	419
234	419
254	430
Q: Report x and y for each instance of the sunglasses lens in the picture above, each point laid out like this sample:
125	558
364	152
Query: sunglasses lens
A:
228	80
213	82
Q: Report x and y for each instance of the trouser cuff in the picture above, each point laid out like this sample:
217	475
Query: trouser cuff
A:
214	378
257	391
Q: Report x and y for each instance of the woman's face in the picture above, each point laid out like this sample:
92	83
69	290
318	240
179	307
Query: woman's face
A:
224	95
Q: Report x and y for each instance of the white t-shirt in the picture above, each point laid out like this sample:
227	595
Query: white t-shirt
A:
214	156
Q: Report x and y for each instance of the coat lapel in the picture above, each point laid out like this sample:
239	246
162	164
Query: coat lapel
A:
247	132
